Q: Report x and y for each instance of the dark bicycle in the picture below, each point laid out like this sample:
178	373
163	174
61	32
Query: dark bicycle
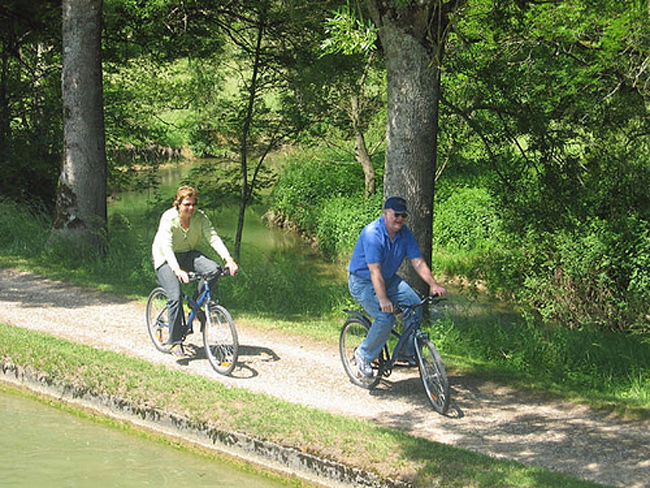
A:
216	324
432	370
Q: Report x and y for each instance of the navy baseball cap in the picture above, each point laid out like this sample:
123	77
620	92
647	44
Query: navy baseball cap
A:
397	204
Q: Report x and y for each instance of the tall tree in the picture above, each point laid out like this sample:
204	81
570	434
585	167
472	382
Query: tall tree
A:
81	215
412	35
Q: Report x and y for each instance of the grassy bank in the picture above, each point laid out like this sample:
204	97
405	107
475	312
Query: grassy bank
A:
356	443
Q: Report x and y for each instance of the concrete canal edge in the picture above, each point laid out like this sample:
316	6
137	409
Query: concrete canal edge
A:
286	461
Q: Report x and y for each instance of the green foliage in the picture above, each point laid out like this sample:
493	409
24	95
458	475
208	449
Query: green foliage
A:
30	101
306	184
341	219
467	221
596	274
546	108
348	33
25	231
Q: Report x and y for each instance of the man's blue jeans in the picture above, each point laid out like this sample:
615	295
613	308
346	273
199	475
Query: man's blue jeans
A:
400	293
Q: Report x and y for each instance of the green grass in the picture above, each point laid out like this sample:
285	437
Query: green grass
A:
357	443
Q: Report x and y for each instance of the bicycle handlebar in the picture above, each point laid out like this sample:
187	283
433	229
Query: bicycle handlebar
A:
221	271
427	300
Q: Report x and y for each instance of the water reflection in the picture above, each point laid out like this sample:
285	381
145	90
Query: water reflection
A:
41	446
257	237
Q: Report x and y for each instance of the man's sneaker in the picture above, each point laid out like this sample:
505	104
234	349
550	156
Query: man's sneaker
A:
364	367
178	351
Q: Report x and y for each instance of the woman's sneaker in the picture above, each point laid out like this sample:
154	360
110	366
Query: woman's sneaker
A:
364	367
178	351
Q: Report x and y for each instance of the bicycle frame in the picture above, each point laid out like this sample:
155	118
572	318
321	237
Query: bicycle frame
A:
204	295
196	305
413	329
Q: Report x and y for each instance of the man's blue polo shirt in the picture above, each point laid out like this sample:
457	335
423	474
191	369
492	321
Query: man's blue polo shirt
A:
374	246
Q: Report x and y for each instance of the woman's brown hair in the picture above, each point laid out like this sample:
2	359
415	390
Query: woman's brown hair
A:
186	192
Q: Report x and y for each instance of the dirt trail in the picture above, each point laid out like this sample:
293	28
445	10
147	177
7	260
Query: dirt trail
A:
484	417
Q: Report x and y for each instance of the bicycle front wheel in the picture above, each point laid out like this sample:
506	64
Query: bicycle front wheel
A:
157	318
352	335
433	375
220	339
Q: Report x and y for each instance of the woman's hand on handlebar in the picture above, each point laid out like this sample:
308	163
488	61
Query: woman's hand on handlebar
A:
182	275
231	266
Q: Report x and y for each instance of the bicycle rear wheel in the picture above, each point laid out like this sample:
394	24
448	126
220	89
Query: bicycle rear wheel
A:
220	339
433	375
352	335
157	318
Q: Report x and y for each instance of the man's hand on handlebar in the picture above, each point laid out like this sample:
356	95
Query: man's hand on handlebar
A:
437	290
386	305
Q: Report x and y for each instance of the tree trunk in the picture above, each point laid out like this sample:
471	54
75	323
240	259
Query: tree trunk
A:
412	127
248	121
81	216
412	44
5	127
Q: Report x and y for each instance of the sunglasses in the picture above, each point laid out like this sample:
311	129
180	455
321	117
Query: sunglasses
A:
400	214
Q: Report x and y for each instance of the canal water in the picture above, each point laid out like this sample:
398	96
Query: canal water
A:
41	446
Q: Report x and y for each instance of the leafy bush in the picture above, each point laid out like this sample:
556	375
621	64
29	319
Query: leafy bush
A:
598	273
340	221
467	221
304	186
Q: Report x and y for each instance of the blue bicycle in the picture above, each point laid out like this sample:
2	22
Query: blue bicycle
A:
432	370
217	327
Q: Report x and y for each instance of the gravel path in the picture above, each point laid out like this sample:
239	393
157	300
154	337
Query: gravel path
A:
484	417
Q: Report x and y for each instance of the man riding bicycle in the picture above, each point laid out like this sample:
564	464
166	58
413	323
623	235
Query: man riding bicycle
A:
374	283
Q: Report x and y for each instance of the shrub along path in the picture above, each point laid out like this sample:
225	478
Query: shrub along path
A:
484	417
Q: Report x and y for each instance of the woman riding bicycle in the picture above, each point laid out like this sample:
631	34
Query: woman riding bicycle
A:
174	254
374	283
